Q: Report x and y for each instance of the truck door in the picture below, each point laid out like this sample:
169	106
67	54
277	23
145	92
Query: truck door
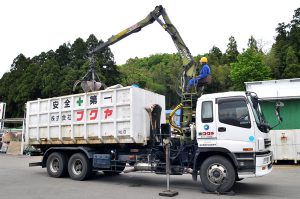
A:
233	121
206	126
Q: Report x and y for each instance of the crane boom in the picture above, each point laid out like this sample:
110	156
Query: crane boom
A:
189	65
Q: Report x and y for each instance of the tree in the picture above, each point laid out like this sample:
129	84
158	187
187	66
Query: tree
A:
92	42
51	79
286	49
215	56
20	63
278	50
252	43
62	55
293	66
158	73
294	35
271	60
296	18
249	67
282	31
78	53
231	51
70	75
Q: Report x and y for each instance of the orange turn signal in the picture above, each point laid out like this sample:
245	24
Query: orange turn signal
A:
247	149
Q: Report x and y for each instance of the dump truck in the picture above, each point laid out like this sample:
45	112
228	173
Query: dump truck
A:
222	137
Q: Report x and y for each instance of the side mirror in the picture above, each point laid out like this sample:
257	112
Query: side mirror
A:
278	106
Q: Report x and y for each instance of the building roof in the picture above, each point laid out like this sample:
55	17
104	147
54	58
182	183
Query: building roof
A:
275	89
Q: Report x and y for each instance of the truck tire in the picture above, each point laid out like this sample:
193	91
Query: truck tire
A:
217	174
57	165
79	167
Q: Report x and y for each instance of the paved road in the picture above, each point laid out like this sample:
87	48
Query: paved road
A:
17	180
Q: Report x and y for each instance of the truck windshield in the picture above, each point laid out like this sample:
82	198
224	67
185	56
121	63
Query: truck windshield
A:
258	115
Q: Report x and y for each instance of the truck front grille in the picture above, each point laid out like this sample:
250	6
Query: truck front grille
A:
267	143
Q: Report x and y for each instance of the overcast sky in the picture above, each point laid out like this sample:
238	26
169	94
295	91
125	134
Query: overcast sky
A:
33	26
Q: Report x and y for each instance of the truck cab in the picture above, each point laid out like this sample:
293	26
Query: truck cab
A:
233	122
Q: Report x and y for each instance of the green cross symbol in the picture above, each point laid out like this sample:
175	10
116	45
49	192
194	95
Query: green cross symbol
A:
79	101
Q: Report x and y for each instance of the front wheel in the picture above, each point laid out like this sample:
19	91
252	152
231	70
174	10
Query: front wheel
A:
217	174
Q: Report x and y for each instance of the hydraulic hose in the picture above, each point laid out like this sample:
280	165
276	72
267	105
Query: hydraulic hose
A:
171	119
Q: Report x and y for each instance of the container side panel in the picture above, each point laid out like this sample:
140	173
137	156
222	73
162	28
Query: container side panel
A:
78	130
54	118
107	98
44	106
43	132
140	119
32	132
284	137
92	100
285	152
123	96
92	130
33	108
33	120
298	151
123	129
79	101
107	114
284	144
66	132
44	119
79	115
123	112
93	115
66	103
54	132
66	117
297	137
55	105
107	129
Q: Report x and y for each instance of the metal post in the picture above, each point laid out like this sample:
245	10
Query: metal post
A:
22	138
168	166
168	192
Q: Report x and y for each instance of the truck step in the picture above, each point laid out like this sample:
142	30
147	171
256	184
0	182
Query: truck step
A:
35	164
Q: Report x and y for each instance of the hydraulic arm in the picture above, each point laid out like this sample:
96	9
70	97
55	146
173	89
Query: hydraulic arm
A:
159	14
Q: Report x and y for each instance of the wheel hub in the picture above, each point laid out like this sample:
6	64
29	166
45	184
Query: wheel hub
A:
54	165
77	167
216	173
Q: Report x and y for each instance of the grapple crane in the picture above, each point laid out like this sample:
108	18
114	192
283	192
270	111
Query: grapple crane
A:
188	71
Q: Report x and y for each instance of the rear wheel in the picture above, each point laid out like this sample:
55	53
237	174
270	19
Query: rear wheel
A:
79	167
57	165
217	174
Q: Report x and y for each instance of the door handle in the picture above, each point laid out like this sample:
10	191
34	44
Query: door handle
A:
221	129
